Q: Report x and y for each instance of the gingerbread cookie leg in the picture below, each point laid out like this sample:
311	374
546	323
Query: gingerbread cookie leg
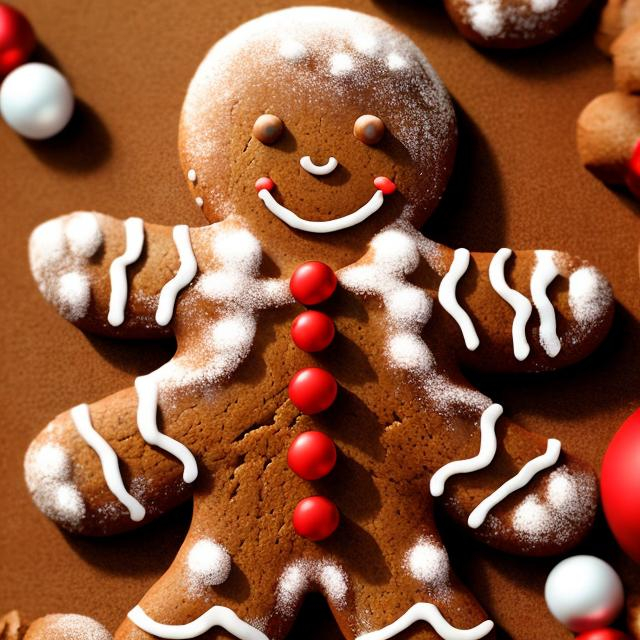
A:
513	489
525	310
92	470
110	276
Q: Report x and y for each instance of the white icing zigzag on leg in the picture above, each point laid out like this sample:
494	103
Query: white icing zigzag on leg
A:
431	614
108	459
134	233
488	447
215	617
524	476
544	274
147	390
447	298
186	273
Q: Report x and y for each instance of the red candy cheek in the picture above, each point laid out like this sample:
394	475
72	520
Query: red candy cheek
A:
385	185
264	183
312	331
313	390
315	518
313	282
312	455
603	634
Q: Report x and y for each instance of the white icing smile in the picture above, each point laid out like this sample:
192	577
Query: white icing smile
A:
318	169
325	226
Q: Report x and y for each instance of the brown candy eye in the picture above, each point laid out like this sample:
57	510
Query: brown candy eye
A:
369	129
268	128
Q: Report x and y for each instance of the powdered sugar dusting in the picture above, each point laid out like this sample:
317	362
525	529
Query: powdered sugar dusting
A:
394	254
209	564
500	19
72	626
303	576
59	251
567	503
428	562
590	296
48	473
341	63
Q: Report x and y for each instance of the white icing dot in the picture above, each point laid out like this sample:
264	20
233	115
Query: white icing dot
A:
292	49
52	462
74	295
341	63
191	175
365	43
589	295
46	245
561	489
540	6
428	563
199	201
83	234
485	17
209	563
395	61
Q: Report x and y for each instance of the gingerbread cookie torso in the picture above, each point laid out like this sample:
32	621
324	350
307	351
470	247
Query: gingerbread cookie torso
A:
315	406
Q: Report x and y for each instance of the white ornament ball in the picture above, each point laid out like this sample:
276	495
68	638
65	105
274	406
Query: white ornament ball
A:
36	100
584	593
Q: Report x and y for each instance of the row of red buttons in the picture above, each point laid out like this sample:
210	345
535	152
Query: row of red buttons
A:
312	454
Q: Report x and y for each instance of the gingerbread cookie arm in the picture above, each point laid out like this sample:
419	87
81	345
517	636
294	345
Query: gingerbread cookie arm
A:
59	626
104	468
525	310
626	59
616	17
110	276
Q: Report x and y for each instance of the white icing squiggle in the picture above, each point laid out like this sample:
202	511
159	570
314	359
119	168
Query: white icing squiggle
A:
186	273
544	273
147	390
430	614
108	459
488	447
134	239
447	298
321	226
217	616
318	169
524	476
519	303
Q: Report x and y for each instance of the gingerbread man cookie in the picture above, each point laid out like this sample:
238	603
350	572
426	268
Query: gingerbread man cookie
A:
609	126
513	24
315	406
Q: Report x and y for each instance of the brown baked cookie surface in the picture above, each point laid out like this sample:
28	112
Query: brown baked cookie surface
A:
513	24
216	423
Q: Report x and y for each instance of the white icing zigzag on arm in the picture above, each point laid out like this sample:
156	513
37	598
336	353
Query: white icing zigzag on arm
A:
134	238
519	303
488	447
108	459
217	616
429	613
447	298
524	476
544	273
186	273
147	390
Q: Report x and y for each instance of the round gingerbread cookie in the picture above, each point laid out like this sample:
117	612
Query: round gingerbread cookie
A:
513	24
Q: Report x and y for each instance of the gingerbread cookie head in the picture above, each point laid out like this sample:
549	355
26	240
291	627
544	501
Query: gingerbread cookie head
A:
316	120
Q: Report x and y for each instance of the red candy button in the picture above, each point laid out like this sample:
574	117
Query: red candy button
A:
17	40
313	390
315	518
312	455
603	634
313	282
312	331
385	185
633	171
264	183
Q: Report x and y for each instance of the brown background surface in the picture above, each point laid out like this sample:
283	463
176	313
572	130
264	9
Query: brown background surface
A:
518	183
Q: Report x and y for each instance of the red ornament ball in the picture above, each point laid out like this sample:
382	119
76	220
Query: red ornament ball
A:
312	455
633	171
315	518
313	390
17	40
385	185
313	282
312	331
620	485
264	183
603	634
